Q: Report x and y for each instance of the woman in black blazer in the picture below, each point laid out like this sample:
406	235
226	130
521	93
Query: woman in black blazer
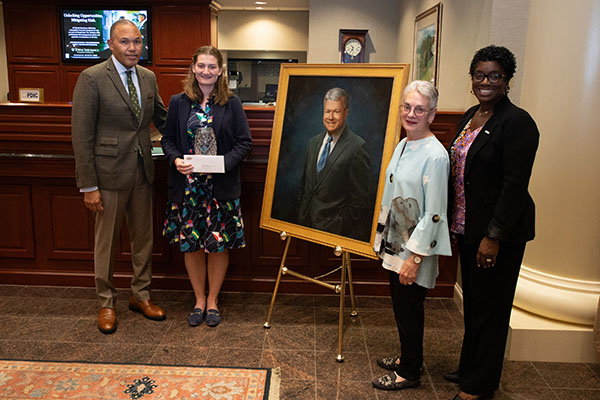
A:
204	216
492	216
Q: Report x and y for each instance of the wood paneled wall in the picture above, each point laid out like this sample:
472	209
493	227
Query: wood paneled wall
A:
32	31
47	233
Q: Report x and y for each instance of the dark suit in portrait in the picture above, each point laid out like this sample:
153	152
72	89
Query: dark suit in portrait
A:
337	199
113	152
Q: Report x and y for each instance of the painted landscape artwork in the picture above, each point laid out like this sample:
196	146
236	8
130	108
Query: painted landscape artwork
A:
425	68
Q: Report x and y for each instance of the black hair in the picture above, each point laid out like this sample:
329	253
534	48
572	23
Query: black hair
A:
503	56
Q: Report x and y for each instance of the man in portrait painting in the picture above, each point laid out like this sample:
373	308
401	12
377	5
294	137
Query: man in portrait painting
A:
335	187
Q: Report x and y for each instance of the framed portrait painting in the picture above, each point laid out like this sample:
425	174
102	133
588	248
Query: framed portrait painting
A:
334	133
428	26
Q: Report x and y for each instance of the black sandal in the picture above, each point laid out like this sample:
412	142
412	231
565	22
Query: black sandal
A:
388	382
390	363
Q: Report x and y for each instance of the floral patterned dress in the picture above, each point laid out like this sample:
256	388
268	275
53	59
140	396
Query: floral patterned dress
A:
458	154
201	221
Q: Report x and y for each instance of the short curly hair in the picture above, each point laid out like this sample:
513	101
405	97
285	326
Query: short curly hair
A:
503	56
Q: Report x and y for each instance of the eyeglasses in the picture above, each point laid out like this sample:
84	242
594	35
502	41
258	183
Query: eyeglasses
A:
419	111
492	77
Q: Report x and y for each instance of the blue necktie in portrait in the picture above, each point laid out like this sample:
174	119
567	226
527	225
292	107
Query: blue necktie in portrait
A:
324	154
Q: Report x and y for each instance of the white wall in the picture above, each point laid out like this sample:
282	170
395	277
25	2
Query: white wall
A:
561	89
263	30
327	17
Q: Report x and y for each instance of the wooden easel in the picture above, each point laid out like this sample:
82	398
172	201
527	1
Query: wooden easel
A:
340	288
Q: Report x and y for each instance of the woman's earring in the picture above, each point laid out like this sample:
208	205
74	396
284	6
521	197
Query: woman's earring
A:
507	89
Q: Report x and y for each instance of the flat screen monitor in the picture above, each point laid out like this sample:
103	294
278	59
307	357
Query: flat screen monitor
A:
85	32
270	91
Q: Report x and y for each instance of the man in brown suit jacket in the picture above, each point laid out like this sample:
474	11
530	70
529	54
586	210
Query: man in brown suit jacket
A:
114	103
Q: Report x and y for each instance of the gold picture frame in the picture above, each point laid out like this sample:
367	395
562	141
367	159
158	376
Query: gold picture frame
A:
375	92
426	45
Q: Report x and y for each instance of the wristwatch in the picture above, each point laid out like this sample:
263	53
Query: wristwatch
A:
417	259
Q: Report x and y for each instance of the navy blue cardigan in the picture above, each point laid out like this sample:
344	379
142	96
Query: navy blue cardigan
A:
233	142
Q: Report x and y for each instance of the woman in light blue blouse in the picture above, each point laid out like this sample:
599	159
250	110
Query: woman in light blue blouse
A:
413	230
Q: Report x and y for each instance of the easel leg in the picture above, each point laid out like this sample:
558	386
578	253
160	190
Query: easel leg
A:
353	312
267	324
345	260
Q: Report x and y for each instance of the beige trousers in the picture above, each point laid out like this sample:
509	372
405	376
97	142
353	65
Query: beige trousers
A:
135	204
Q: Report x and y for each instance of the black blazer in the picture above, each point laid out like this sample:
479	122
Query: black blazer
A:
497	172
233	142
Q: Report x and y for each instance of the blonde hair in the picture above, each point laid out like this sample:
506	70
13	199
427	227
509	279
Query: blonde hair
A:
221	90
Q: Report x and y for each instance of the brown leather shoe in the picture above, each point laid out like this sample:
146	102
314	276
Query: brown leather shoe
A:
107	320
149	310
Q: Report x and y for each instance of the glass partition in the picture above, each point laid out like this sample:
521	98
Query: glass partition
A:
255	80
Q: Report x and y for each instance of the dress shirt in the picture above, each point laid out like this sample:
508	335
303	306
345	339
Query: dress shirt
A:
123	75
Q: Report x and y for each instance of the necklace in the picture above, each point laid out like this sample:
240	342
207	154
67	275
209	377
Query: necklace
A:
483	112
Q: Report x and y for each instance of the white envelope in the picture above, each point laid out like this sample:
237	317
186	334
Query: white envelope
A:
206	164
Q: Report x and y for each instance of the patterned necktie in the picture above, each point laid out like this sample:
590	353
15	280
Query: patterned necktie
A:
324	154
134	96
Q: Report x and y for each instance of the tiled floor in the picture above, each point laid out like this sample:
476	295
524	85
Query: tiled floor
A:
44	323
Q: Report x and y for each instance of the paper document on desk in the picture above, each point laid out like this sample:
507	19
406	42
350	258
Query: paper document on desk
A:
206	164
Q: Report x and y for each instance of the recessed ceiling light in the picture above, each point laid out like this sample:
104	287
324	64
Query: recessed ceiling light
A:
260	2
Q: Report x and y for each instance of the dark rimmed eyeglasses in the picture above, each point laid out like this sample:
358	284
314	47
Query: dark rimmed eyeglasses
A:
492	77
419	111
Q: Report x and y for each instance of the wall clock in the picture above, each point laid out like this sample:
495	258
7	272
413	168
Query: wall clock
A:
353	45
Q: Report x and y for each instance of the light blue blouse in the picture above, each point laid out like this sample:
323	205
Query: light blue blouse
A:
413	208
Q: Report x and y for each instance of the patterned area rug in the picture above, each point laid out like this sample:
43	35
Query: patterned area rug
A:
76	380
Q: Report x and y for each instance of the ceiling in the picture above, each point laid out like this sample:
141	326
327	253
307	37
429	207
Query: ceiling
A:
272	5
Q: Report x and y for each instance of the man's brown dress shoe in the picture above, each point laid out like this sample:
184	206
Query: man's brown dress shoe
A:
107	320
149	310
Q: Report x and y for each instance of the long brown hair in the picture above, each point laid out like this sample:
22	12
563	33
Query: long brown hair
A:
221	90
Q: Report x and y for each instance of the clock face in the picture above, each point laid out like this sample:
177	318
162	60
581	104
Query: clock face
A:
353	47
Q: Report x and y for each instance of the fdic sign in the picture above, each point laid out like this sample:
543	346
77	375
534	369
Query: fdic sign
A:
31	95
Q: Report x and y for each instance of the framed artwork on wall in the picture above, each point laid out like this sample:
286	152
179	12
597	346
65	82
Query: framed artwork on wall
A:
332	200
426	47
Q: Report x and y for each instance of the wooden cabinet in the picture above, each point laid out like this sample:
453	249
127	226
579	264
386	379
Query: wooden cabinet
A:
170	81
179	31
17	239
32	32
44	76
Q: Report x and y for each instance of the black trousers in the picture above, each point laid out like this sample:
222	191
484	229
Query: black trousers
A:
408	303
488	295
